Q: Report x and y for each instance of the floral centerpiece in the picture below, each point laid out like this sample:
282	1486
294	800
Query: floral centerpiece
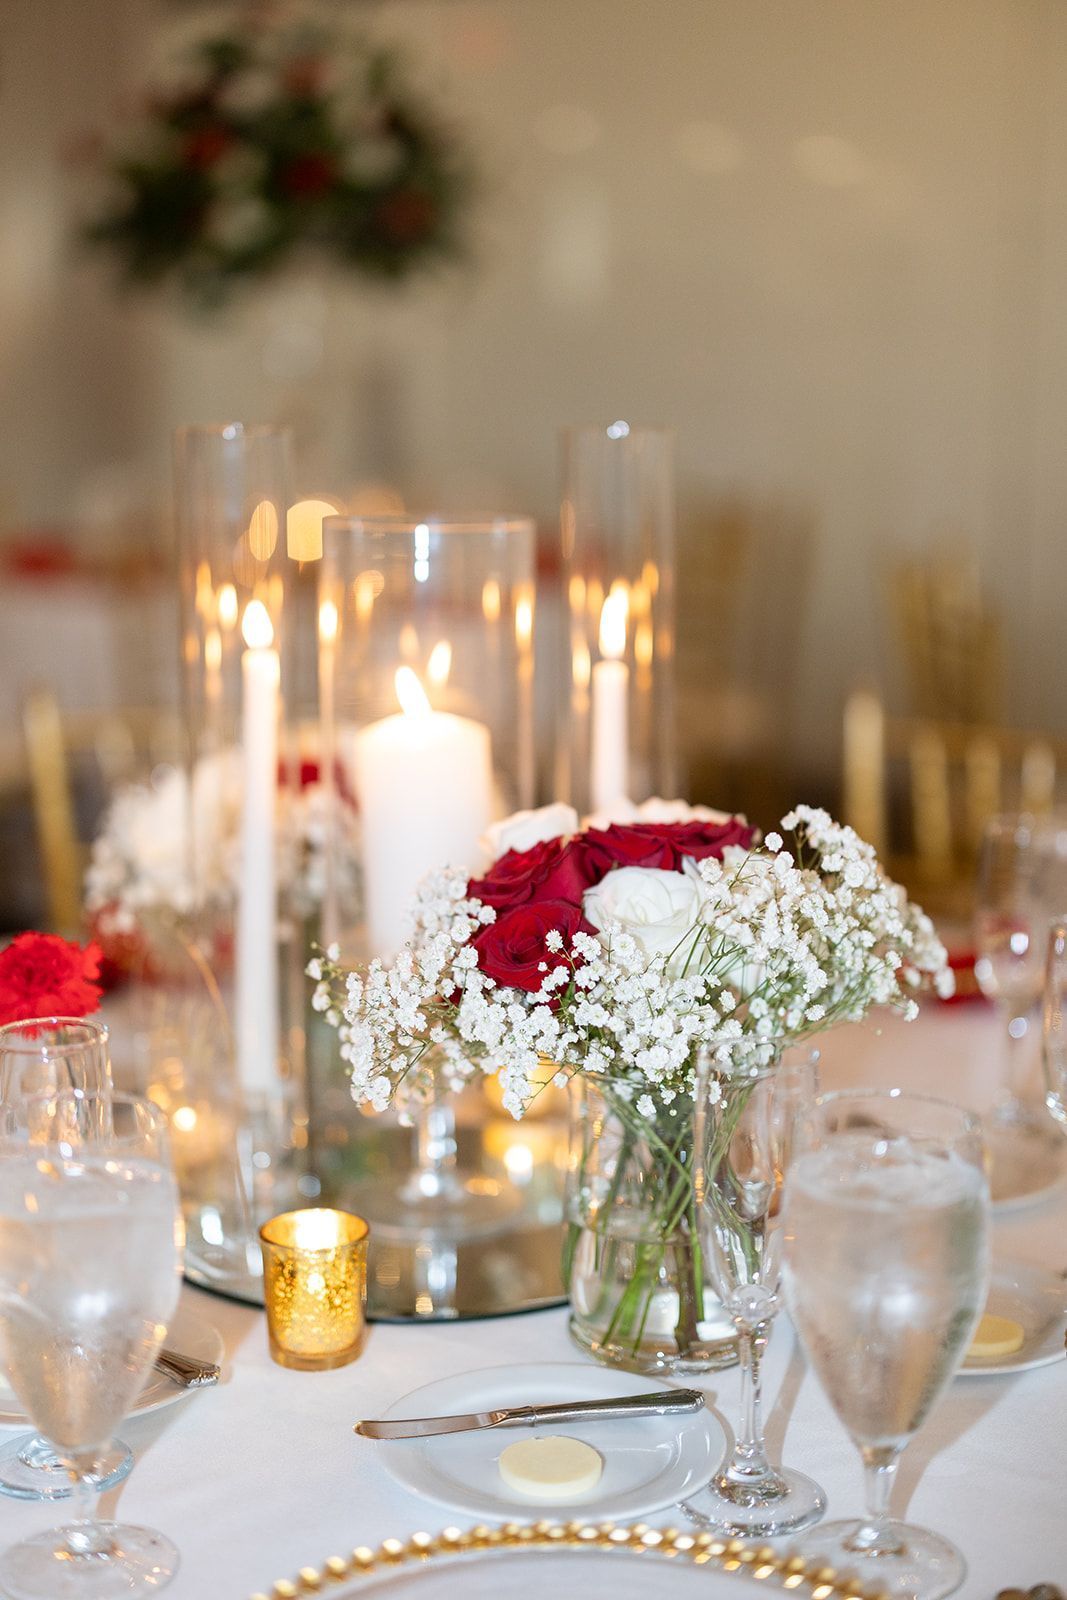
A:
280	137
616	952
141	889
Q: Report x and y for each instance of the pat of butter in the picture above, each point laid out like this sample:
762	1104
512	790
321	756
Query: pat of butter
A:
551	1469
996	1336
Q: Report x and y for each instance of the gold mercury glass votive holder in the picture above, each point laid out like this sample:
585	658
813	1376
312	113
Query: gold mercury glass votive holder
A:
315	1287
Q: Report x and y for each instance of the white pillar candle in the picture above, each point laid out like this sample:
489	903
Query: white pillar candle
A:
256	1006
610	757
424	781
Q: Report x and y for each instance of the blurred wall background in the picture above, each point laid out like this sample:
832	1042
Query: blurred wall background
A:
824	239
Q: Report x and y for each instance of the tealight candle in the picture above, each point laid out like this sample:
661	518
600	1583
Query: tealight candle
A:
315	1287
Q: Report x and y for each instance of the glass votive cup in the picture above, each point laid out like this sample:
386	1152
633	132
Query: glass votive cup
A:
315	1287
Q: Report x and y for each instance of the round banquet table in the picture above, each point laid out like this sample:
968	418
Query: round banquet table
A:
263	1475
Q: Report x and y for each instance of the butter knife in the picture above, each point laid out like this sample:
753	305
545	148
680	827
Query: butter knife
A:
190	1372
663	1403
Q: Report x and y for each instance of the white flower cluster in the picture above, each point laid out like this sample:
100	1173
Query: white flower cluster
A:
766	943
142	862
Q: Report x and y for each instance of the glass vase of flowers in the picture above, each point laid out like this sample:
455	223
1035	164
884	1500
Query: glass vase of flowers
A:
620	952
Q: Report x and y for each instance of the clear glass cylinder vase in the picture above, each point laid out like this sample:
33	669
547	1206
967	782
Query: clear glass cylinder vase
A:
426	673
618	539
226	1050
633	1264
426	680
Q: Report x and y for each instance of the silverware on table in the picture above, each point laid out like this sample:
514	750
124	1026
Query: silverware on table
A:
664	1402
190	1372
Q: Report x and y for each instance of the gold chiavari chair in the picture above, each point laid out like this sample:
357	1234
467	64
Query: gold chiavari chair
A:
944	780
119	744
950	638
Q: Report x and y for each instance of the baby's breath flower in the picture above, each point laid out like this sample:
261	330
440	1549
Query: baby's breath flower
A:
776	949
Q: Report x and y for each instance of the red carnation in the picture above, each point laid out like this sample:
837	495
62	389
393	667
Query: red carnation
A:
42	975
511	949
550	870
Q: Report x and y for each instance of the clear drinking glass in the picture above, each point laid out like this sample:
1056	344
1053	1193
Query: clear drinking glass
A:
1011	920
751	1096
90	1267
886	1266
43	1056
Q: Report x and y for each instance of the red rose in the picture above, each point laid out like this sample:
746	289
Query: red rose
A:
663	845
512	948
206	146
406	217
309	176
42	975
550	870
640	844
701	839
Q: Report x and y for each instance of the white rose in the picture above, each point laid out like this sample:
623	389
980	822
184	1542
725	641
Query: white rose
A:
654	810
657	810
524	829
659	909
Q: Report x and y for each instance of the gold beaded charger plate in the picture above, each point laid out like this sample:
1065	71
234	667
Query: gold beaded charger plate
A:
526	1560
188	1332
649	1462
1037	1300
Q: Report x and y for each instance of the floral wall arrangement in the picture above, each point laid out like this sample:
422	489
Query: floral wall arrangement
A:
283	138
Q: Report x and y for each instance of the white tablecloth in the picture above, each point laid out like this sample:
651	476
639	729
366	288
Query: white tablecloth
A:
264	1475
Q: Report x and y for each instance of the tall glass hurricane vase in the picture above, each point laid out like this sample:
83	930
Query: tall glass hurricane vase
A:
617	530
238	925
750	1100
426	680
887	1265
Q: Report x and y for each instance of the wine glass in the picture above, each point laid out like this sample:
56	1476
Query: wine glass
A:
43	1056
1054	1023
89	1274
751	1095
1011	920
1016	882
886	1266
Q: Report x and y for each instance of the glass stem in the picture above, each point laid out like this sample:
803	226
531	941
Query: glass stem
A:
1016	1038
749	1459
875	1535
84	1536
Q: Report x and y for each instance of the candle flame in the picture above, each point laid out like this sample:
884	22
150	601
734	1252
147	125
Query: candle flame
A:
411	694
316	1230
227	605
256	626
613	616
328	621
303	528
263	531
440	663
524	617
213	650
